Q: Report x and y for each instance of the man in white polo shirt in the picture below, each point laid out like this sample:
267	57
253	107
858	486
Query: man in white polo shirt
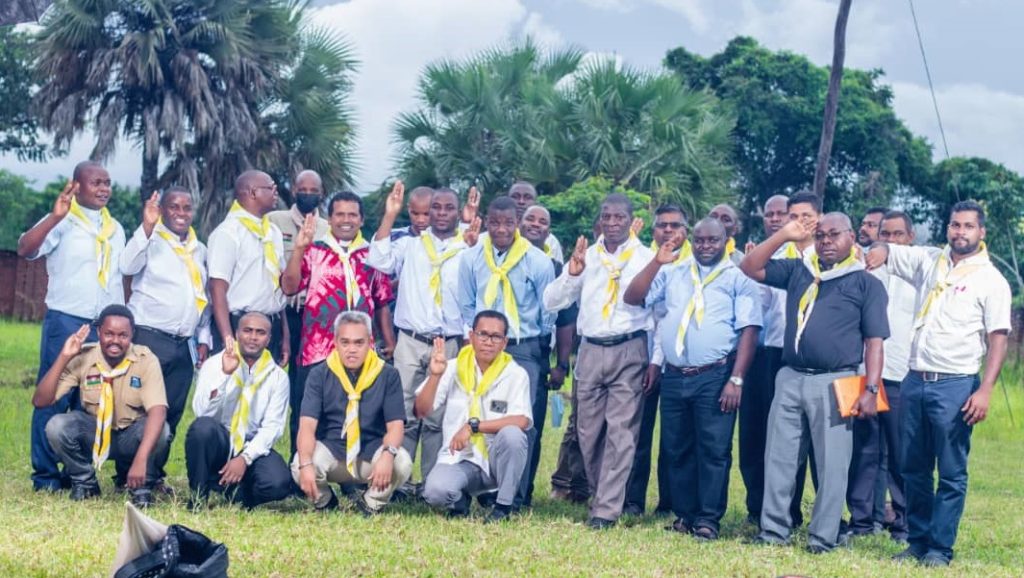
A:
963	318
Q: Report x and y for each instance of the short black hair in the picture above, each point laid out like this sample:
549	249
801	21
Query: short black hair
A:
619	199
503	203
962	206
345	197
805	197
115	311
82	167
670	208
875	210
491	314
900	215
174	190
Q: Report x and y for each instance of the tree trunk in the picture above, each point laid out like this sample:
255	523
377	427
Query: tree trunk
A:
828	124
150	167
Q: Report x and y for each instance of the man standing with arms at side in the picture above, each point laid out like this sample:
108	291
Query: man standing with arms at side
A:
613	358
82	243
245	260
835	318
963	318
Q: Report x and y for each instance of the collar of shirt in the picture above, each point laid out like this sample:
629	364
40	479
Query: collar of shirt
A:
162	295
624	318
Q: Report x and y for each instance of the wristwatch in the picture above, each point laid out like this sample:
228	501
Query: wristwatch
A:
872	388
474	425
736	380
563	365
391	450
247	459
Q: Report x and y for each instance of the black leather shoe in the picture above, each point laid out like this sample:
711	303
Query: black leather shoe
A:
359	500
817	549
679	525
935	560
331	504
81	492
498	514
633	510
142	498
705	534
487	499
910	554
600	523
460	509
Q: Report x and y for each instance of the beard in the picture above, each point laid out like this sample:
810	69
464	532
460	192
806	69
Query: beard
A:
965	249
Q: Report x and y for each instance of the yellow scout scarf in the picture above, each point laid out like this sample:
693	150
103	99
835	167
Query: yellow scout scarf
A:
499	275
946	276
185	252
465	370
262	230
240	419
102	237
789	251
547	250
436	261
849	265
614	271
685	252
352	293
730	247
695	308
105	413
372	366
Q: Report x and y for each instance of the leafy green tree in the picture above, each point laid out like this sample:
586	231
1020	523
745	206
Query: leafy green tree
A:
778	98
18	126
575	210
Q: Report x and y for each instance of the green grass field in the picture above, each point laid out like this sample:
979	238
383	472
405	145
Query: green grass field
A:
47	535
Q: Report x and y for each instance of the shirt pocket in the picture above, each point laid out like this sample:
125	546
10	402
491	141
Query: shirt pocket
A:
90	397
132	396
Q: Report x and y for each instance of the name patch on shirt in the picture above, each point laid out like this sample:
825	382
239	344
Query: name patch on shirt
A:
93	381
498	406
136	382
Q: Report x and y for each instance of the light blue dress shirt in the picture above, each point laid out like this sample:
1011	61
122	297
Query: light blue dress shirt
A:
529	278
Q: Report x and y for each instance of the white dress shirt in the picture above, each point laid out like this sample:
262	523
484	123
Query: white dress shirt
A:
162	294
954	336
901	310
511	388
415	308
217	396
236	256
590	290
72	266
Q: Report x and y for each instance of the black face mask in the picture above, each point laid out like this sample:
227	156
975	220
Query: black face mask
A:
306	202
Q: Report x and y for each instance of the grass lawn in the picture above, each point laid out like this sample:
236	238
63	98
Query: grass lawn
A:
47	535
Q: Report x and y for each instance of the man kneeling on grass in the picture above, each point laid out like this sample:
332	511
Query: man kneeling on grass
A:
124	408
485	399
241	405
352	422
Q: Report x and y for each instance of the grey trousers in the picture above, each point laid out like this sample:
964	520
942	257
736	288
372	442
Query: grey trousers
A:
71	435
804	411
507	458
609	383
412	357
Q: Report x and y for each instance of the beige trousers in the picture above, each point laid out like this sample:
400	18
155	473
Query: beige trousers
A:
329	469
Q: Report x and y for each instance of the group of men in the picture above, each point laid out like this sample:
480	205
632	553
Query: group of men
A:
439	337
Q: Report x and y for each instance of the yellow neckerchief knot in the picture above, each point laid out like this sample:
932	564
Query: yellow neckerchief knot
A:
614	269
102	236
465	371
372	366
437	260
186	251
105	412
240	418
946	276
547	249
695	308
353	295
261	228
790	251
499	275
850	264
685	252
730	247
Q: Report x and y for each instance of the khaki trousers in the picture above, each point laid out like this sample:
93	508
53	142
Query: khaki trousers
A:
329	469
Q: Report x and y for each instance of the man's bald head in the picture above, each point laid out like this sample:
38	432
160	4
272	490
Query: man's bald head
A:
256	192
776	213
541	209
728	217
421	194
708	239
249	179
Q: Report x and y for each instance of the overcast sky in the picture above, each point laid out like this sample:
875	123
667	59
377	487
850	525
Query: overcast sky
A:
973	49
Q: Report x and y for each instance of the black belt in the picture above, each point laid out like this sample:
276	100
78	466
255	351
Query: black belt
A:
931	376
428	339
816	371
523	340
166	335
615	339
691	371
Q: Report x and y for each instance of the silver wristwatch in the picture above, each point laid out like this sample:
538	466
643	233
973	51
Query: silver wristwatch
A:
391	450
736	380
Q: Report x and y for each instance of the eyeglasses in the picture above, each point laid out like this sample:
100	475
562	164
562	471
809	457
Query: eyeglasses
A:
270	186
832	235
485	337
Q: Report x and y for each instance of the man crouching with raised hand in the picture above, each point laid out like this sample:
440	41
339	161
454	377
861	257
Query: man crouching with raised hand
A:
485	399
352	422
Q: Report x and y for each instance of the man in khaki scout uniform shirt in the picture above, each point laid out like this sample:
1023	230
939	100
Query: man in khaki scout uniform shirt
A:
124	408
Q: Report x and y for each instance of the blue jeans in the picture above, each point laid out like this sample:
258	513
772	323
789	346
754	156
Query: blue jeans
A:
933	433
57	327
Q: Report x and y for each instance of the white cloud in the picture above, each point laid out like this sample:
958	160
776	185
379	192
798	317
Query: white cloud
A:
978	120
395	41
692	10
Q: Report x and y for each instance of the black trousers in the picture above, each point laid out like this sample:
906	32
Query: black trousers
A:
176	365
276	333
758	393
636	488
296	389
860	486
890	470
207	446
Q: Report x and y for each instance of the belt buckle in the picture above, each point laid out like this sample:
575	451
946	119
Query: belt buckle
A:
929	376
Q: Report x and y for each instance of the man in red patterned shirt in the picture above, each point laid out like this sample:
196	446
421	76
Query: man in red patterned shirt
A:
332	270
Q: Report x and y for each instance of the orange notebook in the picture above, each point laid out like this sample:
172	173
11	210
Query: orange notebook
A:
849	389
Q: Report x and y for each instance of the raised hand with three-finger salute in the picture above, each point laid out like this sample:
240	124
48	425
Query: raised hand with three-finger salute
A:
472	207
62	204
394	203
75	341
472	234
667	251
438	358
151	213
578	259
229	360
306	234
